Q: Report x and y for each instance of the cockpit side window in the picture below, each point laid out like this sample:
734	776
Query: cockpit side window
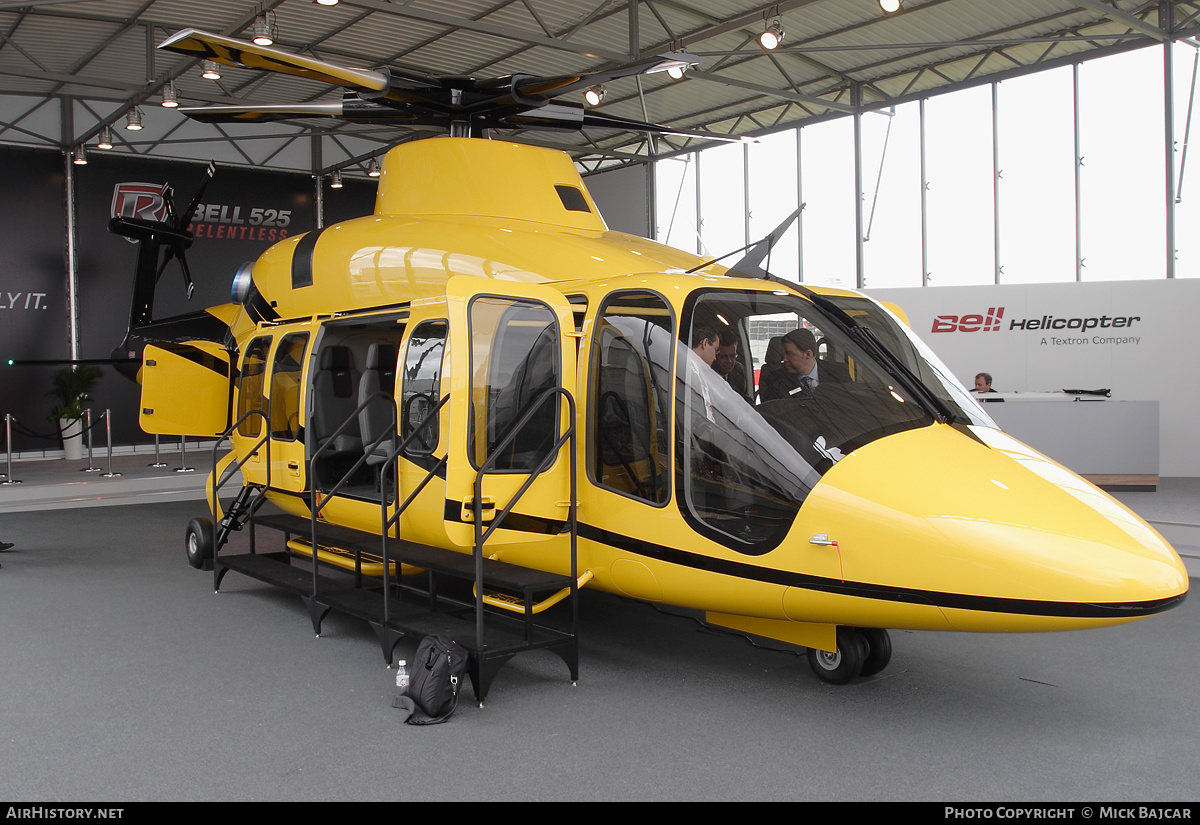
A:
628	435
743	469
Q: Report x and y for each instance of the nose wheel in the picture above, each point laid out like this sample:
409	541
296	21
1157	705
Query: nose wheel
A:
860	652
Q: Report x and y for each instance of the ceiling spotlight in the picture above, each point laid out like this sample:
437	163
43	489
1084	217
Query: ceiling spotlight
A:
265	31
889	6
335	180
771	37
105	140
209	70
79	156
327	2
373	168
594	96
677	72
133	120
170	100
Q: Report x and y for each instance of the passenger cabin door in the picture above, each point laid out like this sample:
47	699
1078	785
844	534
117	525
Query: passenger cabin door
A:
284	413
512	354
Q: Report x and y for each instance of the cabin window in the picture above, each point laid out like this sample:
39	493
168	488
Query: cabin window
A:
250	387
420	389
629	441
285	386
514	363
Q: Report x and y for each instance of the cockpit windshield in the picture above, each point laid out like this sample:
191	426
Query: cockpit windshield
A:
787	390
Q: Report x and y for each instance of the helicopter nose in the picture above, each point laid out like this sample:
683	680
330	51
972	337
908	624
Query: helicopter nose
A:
999	537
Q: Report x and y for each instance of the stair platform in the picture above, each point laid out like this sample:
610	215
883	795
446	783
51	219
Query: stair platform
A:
409	610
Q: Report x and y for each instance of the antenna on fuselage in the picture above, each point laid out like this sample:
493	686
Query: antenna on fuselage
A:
748	266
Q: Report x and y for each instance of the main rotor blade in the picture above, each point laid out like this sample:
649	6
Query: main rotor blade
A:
265	113
351	109
545	88
231	52
604	121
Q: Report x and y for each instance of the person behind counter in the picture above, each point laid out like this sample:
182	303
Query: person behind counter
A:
983	384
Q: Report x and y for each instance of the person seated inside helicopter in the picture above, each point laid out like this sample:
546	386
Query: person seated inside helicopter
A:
803	372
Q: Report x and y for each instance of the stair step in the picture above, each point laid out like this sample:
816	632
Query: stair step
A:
496	574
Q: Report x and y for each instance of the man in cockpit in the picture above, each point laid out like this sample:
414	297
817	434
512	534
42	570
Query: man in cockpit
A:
802	372
728	367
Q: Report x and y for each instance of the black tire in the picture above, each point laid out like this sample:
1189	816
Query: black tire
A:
879	649
845	663
198	542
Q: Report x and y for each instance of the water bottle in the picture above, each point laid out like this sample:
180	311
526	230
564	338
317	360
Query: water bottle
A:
402	675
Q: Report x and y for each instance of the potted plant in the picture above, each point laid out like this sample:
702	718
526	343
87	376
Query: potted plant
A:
73	388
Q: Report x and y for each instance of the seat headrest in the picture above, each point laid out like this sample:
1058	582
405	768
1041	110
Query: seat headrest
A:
337	358
382	356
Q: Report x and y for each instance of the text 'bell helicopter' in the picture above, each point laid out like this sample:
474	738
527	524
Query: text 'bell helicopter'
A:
483	349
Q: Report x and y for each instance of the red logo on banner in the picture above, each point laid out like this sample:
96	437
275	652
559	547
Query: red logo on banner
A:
969	323
146	201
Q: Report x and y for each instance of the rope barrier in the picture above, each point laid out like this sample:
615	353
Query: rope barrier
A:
55	436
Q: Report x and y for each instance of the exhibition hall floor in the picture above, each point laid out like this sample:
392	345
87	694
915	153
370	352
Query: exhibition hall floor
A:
125	678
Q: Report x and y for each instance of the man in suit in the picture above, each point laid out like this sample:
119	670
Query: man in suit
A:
728	367
802	372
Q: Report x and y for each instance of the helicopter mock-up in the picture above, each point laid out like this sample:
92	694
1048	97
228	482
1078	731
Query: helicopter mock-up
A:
483	358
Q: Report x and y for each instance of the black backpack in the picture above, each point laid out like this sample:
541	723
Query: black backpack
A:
433	685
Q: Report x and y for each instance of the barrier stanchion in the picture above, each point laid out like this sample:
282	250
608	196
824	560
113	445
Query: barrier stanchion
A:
183	457
8	479
158	462
90	468
108	429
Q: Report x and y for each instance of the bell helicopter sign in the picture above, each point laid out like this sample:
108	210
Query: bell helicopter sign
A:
1120	335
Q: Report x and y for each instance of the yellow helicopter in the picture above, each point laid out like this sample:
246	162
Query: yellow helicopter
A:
482	371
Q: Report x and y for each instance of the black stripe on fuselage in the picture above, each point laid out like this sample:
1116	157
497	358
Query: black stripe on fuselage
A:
302	258
906	595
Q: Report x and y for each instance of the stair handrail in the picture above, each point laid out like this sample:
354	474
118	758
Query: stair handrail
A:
391	462
228	473
481	535
316	505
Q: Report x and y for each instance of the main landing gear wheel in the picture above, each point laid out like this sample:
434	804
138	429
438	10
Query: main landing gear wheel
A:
861	651
879	650
198	542
843	664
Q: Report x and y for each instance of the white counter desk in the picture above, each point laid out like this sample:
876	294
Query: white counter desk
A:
1113	444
